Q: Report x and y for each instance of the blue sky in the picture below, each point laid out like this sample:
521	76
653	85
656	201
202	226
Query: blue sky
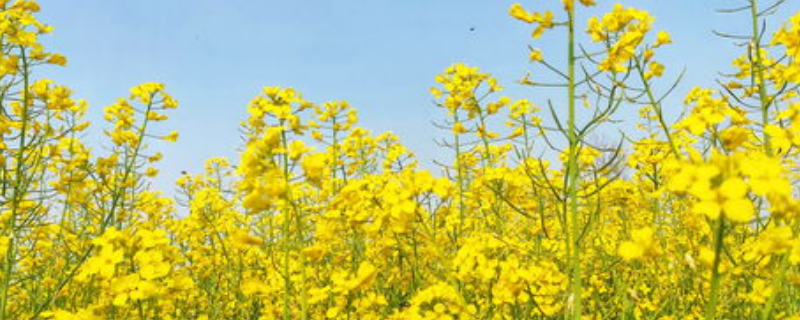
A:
382	56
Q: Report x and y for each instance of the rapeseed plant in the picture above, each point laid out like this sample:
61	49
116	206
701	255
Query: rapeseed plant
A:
319	218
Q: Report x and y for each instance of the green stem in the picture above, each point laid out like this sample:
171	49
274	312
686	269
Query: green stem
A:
459	180
657	108
777	282
287	243
713	299
758	67
572	171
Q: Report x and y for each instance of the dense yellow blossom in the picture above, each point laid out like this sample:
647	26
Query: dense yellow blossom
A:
530	215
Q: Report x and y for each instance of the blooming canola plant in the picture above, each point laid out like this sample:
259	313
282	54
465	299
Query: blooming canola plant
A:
696	218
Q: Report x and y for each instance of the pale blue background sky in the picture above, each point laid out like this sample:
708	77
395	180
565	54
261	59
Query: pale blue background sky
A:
380	55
